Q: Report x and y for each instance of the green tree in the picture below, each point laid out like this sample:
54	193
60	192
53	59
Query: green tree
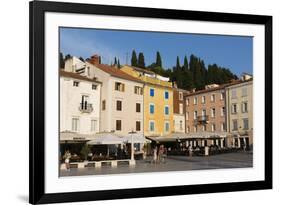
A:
158	59
141	62
118	64
115	61
178	66
61	61
185	64
81	58
134	59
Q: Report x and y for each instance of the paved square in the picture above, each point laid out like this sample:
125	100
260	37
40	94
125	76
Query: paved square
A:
173	163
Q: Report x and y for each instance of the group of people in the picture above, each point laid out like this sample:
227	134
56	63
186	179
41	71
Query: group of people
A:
159	154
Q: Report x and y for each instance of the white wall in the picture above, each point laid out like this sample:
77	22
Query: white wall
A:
14	175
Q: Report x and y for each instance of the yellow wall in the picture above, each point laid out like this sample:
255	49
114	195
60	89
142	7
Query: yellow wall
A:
159	102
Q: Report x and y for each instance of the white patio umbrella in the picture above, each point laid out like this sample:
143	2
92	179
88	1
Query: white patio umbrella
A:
105	139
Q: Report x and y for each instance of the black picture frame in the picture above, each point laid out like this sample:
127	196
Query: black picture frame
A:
37	193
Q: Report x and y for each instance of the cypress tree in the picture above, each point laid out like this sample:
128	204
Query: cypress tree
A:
134	59
118	64
141	62
115	61
99	59
178	66
185	64
158	59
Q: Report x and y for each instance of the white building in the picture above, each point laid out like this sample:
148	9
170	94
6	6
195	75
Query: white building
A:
79	106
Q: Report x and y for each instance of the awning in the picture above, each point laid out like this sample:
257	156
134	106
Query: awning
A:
173	137
73	136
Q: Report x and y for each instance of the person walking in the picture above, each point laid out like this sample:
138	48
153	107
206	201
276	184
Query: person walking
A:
67	157
155	154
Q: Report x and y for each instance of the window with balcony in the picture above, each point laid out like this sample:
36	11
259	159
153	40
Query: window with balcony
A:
119	105
85	106
118	125
119	86
138	90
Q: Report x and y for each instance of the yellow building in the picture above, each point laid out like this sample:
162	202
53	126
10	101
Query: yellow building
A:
158	101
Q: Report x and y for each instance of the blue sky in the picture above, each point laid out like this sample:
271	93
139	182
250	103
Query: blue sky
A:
233	52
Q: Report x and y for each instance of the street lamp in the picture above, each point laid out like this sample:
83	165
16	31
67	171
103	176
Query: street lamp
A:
133	162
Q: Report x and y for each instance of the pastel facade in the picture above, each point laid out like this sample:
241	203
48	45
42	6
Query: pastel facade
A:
239	100
179	110
79	105
121	98
158	101
205	110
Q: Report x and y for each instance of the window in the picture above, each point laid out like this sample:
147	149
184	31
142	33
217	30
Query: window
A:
203	113
138	107
223	127
245	124
195	128
244	107
167	126
93	125
103	105
118	125
203	99
84	102
244	92
181	108
222	96
138	90
195	115
235	125
180	96
213	98
213	112
233	94
187	101
138	126
181	127
213	127
195	100
151	92
119	105
120	86
75	124
204	128
151	126
75	83
166	110
166	95
234	108
94	87
223	111
151	108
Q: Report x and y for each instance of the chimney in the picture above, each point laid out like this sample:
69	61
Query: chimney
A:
94	59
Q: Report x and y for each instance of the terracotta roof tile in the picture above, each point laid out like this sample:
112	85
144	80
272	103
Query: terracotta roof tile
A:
76	76
116	72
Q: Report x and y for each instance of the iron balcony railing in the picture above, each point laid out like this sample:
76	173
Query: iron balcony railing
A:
201	120
86	107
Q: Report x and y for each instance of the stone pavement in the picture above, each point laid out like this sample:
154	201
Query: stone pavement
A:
173	163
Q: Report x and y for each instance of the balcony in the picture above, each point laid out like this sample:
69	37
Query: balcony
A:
86	107
201	120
